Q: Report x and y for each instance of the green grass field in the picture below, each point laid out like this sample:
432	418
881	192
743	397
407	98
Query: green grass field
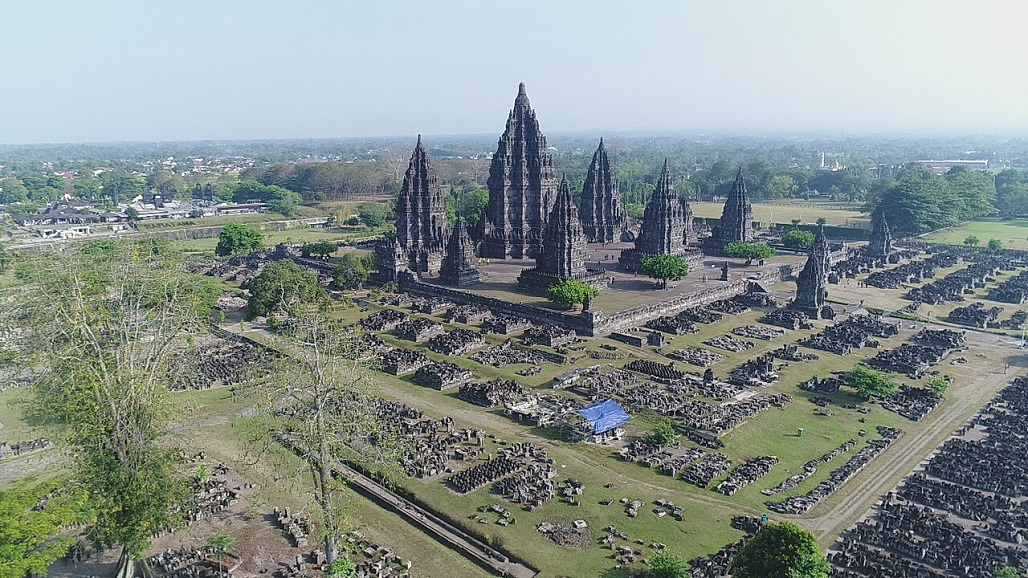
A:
1013	233
784	213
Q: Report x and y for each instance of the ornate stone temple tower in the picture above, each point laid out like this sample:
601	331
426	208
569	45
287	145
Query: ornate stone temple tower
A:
603	218
880	242
522	185
420	222
562	255
666	228
736	223
458	263
812	281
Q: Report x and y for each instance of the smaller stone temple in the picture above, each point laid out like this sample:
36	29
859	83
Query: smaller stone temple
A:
880	242
420	222
562	253
736	224
458	266
667	227
603	218
811	292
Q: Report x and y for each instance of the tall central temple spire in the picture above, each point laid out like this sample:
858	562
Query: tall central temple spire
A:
522	185
603	218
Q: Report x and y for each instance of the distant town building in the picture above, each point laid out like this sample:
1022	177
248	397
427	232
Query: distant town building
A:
941	167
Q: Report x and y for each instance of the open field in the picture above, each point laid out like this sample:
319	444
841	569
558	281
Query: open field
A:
784	213
214	421
1013	233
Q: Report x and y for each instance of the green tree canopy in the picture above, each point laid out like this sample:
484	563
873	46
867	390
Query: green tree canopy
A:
353	270
279	199
667	565
374	214
665	267
937	384
103	319
919	201
870	382
782	550
972	241
323	249
472	206
749	251
29	534
284	283
664	433
797	239
236	239
995	244
571	292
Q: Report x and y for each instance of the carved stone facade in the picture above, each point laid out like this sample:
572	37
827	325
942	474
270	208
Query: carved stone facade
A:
421	215
811	283
522	186
667	227
603	217
562	255
736	224
458	266
880	243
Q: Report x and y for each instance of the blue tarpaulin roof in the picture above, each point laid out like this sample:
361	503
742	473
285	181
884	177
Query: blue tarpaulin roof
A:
604	415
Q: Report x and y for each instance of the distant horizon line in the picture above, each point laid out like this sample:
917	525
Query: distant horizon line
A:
553	134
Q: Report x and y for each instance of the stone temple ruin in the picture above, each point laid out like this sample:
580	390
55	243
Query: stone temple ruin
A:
810	285
522	187
420	221
563	248
458	263
603	217
736	224
667	227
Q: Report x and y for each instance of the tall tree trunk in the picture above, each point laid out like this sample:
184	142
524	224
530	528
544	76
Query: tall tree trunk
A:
324	480
126	565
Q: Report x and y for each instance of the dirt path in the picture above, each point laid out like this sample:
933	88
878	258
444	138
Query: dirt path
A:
887	470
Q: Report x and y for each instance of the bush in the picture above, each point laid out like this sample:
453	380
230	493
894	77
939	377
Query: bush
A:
797	239
664	433
571	292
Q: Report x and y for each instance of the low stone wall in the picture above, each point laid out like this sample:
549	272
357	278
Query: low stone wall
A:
597	323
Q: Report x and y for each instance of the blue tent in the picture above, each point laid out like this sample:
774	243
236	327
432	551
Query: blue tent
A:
604	415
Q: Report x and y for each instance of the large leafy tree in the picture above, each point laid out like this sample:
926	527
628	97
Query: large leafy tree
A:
976	191
665	267
31	521
782	550
323	249
283	284
374	214
279	199
571	292
919	201
99	322
1012	193
749	251
798	239
870	382
353	270
236	239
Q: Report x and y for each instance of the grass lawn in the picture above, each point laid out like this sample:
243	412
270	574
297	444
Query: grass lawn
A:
785	213
1013	233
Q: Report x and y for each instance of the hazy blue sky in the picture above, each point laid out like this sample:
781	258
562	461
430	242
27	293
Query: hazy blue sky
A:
93	70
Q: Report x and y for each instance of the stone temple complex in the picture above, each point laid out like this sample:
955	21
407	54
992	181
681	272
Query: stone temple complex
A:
603	217
667	227
420	221
522	186
811	292
880	242
736	224
458	266
562	254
